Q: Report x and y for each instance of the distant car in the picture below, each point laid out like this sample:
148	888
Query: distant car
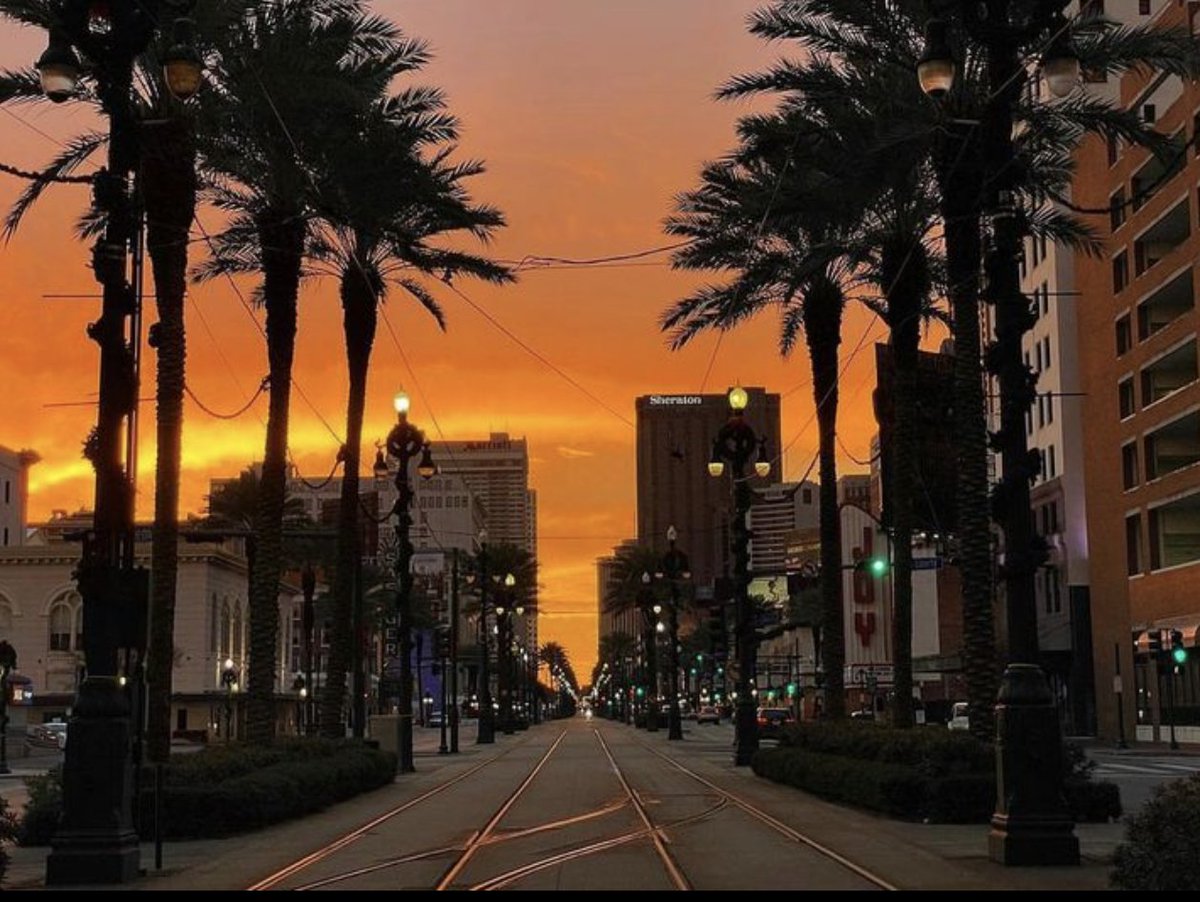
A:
864	714
959	719
434	719
708	714
47	735
771	721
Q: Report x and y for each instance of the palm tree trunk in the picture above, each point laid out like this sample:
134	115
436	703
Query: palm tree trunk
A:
823	309
358	323
281	236
903	270
168	185
960	190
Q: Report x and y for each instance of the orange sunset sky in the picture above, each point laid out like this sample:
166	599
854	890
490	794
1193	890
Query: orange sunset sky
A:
591	116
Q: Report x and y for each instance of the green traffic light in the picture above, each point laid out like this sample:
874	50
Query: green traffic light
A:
791	689
878	566
1180	655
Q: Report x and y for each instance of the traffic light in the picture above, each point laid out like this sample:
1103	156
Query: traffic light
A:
791	690
1179	652
716	631
443	642
1154	642
876	566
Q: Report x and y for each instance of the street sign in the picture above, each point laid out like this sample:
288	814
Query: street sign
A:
428	563
862	674
927	563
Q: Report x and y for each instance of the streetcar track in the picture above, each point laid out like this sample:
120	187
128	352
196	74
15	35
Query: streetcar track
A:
655	834
512	876
358	833
776	824
480	838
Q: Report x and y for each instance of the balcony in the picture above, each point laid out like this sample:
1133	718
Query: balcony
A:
1166	305
1160	239
1175	533
1169	373
1158	170
1173	446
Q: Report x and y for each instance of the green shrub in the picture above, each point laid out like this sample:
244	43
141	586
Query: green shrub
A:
43	809
1091	801
224	790
937	752
8	834
1161	850
938	789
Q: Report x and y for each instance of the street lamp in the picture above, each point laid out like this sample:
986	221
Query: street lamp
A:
486	726
95	841
650	650
1031	824
301	694
229	679
8	663
736	444
504	612
674	569
403	443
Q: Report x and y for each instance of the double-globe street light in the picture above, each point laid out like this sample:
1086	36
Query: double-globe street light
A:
95	841
650	609
674	569
486	725
404	443
1031	824
506	608
737	444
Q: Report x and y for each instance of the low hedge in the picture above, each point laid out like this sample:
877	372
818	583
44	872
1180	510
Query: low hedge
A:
923	774
232	789
8	833
1161	850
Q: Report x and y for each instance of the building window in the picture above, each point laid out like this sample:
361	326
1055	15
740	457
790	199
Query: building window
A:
62	625
1120	271
1175	533
1126	403
1173	446
1169	373
1129	466
1116	209
1053	469
1124	335
1114	151
1133	544
8	491
1049	407
6	535
806	496
1143	7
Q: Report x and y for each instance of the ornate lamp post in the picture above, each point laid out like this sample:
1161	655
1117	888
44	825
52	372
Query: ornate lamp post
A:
229	679
674	569
504	657
404	442
486	728
1031	824
8	663
301	691
736	444
95	841
650	610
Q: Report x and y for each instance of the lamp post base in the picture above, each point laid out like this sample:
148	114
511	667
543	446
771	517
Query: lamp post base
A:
95	843
1031	825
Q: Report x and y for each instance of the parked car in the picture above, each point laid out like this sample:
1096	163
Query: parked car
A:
708	714
47	735
959	719
771	721
434	719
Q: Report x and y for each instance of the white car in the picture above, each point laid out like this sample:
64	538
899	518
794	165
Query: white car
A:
958	717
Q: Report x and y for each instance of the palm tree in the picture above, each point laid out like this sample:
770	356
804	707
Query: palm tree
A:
382	197
888	37
615	649
166	180
289	81
776	228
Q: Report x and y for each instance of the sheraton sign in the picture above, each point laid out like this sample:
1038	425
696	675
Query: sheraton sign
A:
676	400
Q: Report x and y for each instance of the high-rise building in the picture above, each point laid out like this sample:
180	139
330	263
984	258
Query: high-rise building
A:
855	488
675	436
778	510
610	623
1137	324
14	494
496	471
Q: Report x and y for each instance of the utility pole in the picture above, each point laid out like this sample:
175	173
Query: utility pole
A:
454	706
